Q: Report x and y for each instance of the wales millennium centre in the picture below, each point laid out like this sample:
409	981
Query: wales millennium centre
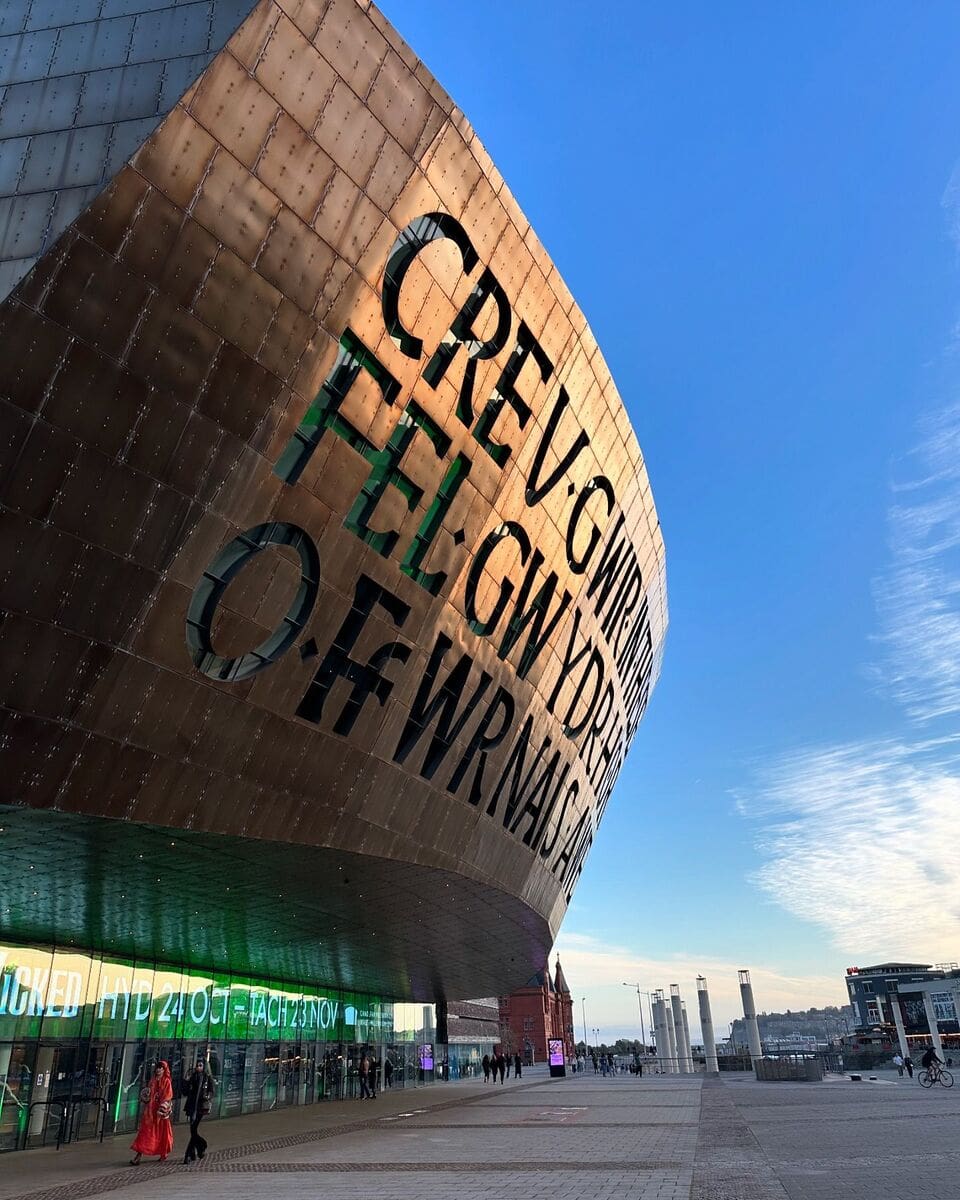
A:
332	589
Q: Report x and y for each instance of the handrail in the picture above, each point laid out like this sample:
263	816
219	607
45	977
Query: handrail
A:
71	1107
45	1104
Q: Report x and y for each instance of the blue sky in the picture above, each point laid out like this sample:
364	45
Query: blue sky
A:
755	207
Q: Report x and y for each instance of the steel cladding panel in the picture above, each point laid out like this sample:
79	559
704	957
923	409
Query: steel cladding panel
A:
323	522
82	84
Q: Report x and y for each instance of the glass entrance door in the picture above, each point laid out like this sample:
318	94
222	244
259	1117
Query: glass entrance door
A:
330	1074
231	1085
96	1091
17	1062
288	1074
57	1084
130	1063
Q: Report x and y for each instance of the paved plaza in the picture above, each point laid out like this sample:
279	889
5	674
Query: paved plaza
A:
586	1137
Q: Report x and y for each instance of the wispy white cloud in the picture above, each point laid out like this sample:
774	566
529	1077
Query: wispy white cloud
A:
918	597
598	970
864	840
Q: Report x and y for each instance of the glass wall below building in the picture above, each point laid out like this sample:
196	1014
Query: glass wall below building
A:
466	1058
80	1036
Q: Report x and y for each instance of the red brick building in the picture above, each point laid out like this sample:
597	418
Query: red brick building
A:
532	1014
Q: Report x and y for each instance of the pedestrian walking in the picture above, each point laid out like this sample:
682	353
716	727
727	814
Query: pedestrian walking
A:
485	1063
898	1063
509	1063
155	1132
365	1078
501	1065
517	1066
908	1063
198	1091
388	1073
372	1078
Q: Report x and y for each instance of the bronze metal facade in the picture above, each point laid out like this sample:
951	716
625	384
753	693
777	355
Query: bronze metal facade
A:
326	540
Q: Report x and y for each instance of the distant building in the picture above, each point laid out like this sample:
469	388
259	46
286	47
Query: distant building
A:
921	995
533	1014
798	1031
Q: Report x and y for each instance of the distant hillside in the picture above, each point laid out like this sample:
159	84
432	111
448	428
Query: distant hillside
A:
824	1024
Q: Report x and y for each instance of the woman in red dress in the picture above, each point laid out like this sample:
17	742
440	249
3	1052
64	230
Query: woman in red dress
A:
155	1135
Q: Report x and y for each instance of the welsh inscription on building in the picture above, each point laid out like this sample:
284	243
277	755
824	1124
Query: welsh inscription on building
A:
587	595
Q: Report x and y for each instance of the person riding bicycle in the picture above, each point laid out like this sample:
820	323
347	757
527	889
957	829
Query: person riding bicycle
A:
930	1061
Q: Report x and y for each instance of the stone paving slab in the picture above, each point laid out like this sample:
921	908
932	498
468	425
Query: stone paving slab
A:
825	1142
488	1184
46	1169
533	1166
513	1143
528	1144
585	1139
631	1119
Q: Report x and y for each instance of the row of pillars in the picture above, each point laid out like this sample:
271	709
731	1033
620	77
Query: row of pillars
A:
673	1033
673	1036
894	1001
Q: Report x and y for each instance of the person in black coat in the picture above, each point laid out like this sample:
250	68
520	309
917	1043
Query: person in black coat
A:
198	1091
517	1066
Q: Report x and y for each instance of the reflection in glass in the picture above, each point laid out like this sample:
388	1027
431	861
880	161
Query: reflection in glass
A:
80	1037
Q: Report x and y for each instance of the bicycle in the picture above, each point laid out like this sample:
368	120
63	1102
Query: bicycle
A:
927	1078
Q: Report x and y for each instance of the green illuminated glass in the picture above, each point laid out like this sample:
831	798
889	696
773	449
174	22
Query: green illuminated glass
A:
433	581
71	995
111	1006
166	1010
238	1009
24	976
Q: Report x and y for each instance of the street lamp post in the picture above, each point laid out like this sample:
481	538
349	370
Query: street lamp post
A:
643	1032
